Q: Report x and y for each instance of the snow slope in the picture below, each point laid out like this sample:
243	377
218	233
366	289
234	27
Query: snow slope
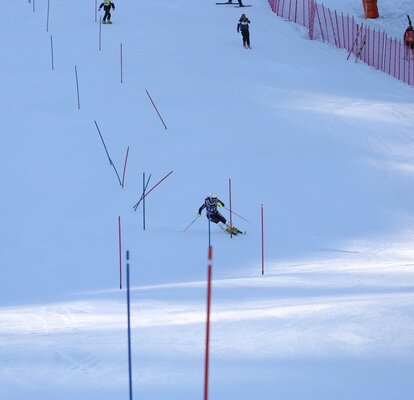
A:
392	14
324	144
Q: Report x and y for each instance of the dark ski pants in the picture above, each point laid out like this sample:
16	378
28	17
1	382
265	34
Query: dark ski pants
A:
246	37
107	15
216	218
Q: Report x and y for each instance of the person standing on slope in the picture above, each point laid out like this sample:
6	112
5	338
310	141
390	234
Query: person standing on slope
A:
409	35
107	4
243	27
211	203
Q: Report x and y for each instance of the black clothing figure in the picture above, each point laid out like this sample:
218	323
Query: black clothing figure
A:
243	27
210	204
107	4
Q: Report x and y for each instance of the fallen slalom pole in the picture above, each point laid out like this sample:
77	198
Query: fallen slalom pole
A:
125	165
233	212
146	194
156	109
107	153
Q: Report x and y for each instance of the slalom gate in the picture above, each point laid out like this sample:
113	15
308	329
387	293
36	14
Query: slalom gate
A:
376	49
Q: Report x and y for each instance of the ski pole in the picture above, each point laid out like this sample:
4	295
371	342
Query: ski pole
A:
237	215
353	44
192	222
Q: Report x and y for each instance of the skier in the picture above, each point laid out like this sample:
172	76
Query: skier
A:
239	1
409	37
243	27
211	203
107	4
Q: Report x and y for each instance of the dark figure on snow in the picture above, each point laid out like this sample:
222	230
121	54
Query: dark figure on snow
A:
210	204
107	4
239	1
243	27
409	35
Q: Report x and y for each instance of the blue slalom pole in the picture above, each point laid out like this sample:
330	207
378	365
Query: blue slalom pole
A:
129	330
77	86
47	22
51	49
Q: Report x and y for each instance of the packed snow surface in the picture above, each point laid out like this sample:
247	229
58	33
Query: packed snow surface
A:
324	144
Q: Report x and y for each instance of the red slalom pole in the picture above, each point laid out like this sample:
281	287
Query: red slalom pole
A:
231	220
125	164
120	252
165	126
262	239
207	356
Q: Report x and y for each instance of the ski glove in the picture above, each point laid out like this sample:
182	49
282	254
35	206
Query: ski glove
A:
198	216
220	204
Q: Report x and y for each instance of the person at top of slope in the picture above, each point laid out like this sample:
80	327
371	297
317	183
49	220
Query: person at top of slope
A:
107	4
211	202
239	1
243	27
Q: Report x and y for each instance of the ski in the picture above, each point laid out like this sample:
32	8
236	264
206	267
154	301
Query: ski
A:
358	55
235	231
232	4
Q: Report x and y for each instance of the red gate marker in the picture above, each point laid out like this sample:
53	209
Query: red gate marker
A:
206	364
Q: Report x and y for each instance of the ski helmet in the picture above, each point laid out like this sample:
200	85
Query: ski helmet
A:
212	196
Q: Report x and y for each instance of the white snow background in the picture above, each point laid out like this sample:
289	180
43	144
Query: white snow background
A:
323	143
